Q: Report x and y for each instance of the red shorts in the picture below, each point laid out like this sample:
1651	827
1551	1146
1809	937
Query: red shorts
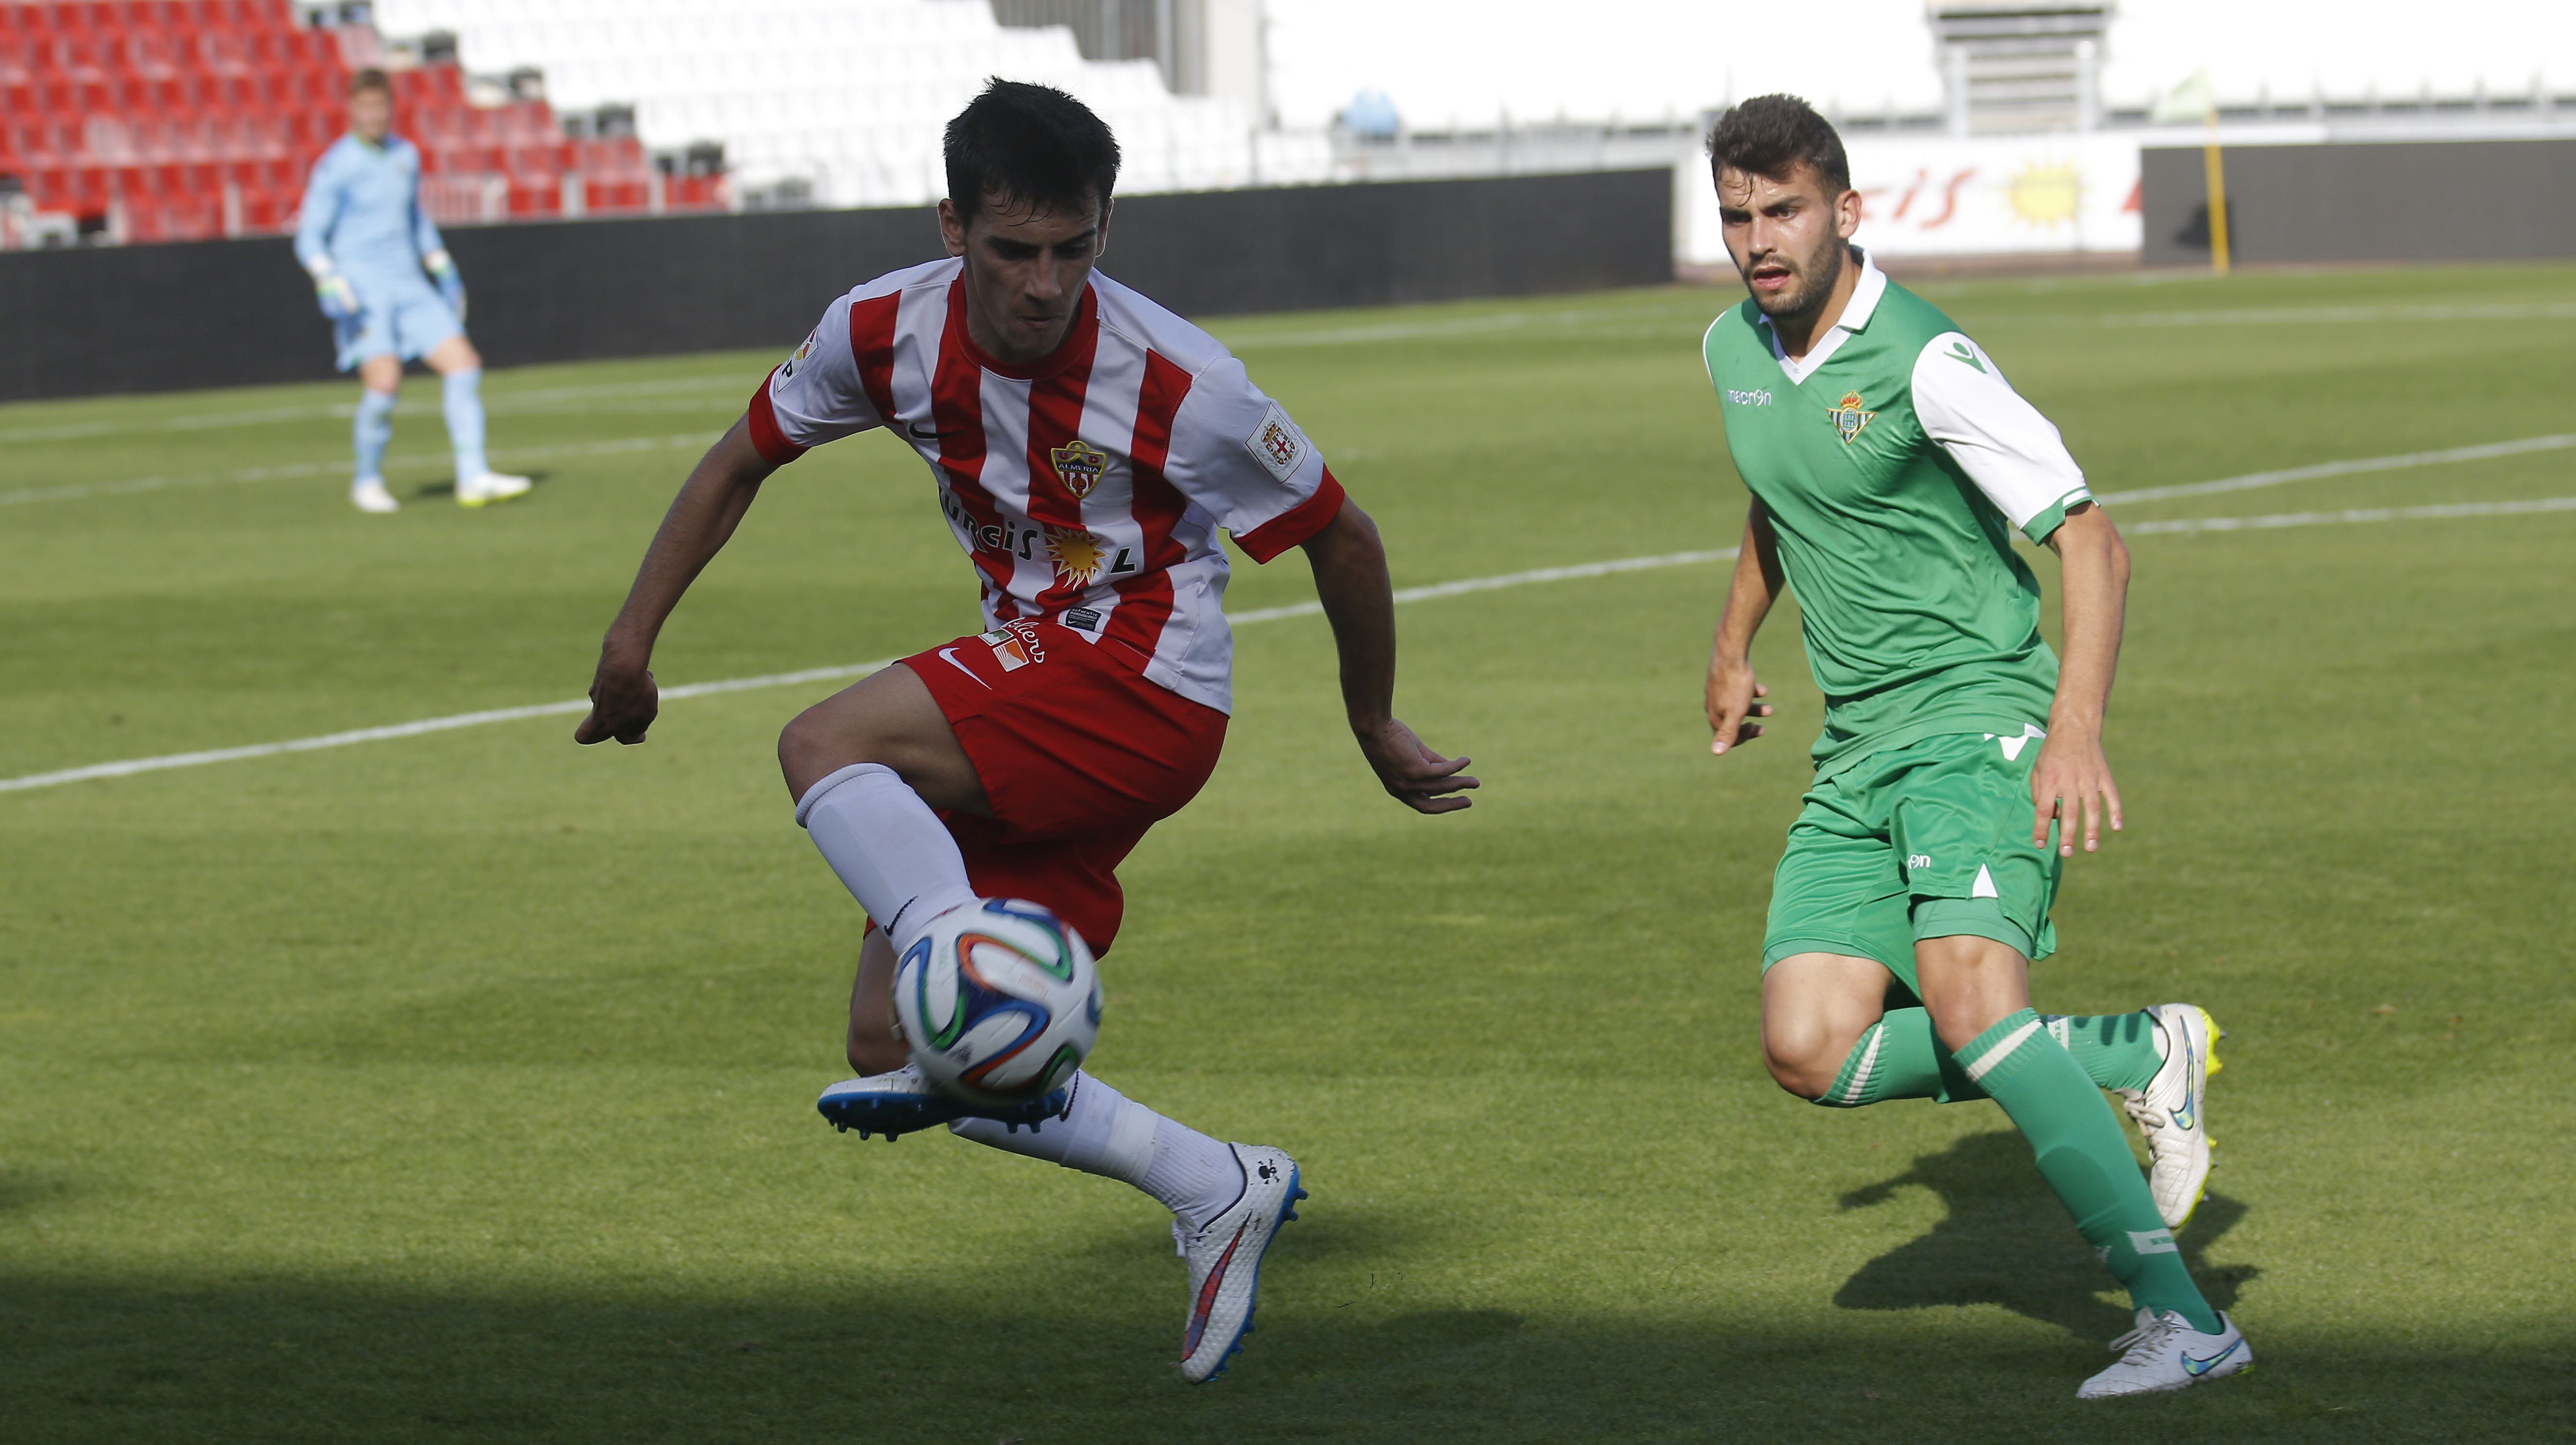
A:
1079	755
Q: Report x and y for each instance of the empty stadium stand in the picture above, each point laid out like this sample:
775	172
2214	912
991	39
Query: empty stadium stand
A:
166	120
841	102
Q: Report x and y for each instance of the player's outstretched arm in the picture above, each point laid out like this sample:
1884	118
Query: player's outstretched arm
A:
623	699
2073	775
1734	696
1359	601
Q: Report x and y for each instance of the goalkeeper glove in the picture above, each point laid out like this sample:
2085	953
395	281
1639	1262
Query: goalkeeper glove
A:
339	299
451	287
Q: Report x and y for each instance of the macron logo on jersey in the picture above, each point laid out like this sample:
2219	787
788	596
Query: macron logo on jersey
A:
1276	444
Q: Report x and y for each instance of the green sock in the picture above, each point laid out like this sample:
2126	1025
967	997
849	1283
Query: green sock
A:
1899	1058
2118	1050
2085	1159
1894	1059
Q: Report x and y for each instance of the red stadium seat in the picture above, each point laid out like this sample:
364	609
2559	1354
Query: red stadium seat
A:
189	116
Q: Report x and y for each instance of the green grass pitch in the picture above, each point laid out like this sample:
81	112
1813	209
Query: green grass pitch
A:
460	1087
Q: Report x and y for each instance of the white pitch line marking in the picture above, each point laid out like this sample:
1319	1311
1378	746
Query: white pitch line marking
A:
1461	587
132	766
2292	315
341	467
2400	462
2438	512
498	401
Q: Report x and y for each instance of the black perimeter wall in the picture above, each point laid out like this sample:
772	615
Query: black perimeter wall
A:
2419	201
241	313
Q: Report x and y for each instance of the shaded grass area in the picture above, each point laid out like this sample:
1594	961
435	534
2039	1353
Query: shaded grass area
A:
459	1088
308	1362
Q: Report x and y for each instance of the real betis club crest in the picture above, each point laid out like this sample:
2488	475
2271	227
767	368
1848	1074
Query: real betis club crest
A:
1847	416
1078	465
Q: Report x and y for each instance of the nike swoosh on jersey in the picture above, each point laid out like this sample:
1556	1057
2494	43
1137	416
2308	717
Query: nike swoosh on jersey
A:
961	667
2202	1367
920	433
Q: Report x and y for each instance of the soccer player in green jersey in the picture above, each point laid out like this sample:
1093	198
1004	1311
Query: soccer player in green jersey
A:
1890	463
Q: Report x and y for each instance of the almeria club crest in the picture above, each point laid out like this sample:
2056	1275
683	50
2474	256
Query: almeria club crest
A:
1078	465
1847	416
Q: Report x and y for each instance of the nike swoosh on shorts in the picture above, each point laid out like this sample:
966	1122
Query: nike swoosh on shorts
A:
961	667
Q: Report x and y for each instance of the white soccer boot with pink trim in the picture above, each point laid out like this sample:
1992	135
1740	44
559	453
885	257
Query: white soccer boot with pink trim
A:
1225	1260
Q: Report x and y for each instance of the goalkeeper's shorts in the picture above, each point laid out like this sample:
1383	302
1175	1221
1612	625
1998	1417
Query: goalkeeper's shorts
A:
403	320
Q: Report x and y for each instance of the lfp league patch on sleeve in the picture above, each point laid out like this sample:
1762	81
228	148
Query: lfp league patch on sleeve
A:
1277	444
787	370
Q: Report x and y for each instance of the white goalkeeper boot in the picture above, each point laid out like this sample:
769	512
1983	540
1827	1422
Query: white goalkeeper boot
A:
2171	1110
368	494
1225	1260
2165	1353
490	487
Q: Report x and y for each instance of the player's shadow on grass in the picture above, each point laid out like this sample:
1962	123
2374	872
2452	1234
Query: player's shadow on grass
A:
19	1191
2007	1241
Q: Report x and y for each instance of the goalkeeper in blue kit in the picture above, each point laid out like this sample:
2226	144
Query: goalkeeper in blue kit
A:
374	255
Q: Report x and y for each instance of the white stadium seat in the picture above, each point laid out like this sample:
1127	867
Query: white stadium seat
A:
849	94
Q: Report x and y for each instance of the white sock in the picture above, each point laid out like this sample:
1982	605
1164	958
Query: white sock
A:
891	851
1106	1133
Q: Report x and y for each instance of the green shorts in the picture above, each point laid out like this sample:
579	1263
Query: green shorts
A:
1922	841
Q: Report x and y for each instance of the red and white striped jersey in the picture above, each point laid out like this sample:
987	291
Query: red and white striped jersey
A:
1088	488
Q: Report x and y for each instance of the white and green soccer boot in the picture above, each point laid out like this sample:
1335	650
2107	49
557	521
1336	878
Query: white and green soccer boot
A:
1225	1260
2165	1353
490	487
2172	1110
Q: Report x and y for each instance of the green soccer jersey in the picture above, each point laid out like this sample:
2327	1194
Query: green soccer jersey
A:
1893	461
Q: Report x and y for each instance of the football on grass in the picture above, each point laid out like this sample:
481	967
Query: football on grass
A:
999	1002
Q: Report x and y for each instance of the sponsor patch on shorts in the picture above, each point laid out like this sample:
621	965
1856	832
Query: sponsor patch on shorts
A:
1015	644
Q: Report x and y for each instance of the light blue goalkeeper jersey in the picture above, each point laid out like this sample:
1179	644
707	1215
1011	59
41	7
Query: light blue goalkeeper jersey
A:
362	209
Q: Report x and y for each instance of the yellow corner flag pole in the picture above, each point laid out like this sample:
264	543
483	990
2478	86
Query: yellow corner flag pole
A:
2217	173
2198	96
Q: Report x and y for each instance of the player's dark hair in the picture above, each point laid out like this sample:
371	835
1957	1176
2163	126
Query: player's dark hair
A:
371	79
1029	145
1772	135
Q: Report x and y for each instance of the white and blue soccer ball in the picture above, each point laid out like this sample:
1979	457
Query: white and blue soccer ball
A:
1000	1002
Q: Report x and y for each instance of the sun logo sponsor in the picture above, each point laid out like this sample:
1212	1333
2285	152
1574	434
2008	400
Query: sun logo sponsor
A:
1847	416
1078	465
1276	444
1077	555
1015	645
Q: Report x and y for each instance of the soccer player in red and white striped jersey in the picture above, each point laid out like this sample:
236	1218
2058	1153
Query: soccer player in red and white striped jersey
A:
1087	446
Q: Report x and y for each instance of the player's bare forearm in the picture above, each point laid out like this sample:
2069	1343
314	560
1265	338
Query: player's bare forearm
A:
1734	695
701	519
2073	776
1359	602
